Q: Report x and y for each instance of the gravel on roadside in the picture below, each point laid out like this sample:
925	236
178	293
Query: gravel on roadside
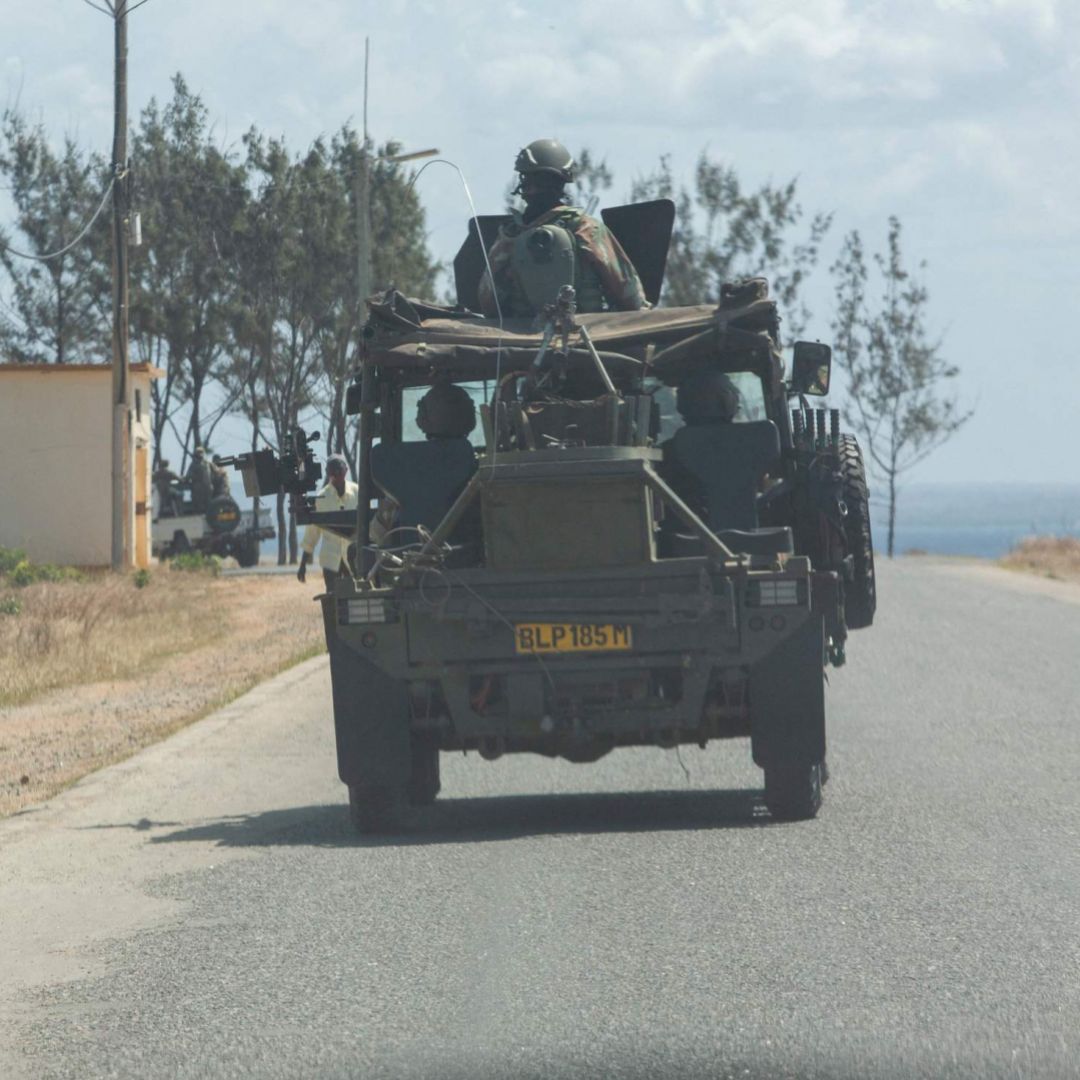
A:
50	741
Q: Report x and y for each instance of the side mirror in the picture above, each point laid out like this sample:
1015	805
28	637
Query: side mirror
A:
352	399
811	366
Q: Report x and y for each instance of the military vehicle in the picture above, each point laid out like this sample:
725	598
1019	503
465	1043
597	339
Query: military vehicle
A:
588	568
224	529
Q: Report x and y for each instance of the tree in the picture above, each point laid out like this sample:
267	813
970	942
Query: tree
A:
191	195
897	399
724	231
285	287
59	310
298	312
400	259
592	177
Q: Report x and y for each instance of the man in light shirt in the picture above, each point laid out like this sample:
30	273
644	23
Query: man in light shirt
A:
340	493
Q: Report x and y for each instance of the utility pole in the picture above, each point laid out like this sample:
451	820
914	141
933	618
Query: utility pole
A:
122	525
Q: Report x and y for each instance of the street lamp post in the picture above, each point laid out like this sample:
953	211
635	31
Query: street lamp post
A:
363	218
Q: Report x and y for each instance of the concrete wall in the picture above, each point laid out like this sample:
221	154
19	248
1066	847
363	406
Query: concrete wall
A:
55	460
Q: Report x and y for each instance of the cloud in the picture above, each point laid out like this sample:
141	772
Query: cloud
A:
908	97
746	61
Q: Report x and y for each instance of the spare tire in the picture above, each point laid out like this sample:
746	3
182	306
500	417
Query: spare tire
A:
223	514
860	593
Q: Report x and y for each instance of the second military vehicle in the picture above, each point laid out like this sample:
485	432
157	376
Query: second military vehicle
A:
224	529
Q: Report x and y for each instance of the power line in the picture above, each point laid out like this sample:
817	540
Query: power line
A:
67	247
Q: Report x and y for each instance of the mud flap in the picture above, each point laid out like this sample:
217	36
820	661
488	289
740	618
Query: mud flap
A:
371	717
787	700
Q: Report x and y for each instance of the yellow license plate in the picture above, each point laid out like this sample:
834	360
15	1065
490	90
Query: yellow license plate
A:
572	637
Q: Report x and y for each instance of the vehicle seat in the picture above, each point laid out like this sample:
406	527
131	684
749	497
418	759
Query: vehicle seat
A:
728	461
423	478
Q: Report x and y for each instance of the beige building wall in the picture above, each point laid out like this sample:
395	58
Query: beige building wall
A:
55	461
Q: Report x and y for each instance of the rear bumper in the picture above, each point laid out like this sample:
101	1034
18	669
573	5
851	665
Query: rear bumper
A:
703	642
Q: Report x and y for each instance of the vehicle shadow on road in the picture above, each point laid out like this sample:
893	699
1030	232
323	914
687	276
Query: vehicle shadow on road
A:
481	820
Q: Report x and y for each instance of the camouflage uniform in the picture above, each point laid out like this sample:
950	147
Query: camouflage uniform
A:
164	479
198	477
604	278
219	480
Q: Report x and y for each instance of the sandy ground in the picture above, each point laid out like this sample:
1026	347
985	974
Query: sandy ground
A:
47	743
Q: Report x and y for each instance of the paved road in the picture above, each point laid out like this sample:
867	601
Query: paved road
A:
271	568
203	911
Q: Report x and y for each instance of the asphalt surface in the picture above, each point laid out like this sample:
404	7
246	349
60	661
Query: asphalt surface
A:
270	568
204	911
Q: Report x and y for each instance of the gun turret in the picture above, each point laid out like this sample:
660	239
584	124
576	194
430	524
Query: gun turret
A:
296	471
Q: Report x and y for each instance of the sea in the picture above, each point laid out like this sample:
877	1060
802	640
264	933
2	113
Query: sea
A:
976	519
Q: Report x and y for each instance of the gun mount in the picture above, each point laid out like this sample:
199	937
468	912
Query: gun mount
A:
295	471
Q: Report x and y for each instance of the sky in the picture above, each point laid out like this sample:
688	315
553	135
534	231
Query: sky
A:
958	116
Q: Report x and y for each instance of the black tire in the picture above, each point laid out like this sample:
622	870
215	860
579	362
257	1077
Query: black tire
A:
860	593
424	784
793	792
247	551
376	809
180	544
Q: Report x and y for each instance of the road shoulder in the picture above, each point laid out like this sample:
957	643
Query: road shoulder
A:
991	574
78	868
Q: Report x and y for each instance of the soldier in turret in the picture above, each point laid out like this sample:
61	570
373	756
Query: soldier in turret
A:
552	244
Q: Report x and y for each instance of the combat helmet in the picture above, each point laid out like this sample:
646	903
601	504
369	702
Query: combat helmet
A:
446	411
546	157
707	396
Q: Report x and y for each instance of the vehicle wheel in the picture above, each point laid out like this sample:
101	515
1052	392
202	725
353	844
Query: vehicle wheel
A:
180	543
793	792
375	809
860	594
424	784
247	551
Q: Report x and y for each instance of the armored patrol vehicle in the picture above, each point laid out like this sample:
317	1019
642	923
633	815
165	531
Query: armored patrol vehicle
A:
588	532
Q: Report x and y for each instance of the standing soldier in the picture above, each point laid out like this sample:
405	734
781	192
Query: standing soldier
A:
553	244
340	493
198	477
164	479
219	478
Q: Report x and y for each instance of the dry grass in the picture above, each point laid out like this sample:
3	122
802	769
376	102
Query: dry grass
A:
1056	557
71	632
100	668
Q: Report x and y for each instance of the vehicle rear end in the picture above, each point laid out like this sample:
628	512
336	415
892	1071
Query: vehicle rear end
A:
566	633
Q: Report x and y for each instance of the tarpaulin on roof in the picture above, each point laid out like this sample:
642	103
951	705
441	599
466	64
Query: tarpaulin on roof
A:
413	334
